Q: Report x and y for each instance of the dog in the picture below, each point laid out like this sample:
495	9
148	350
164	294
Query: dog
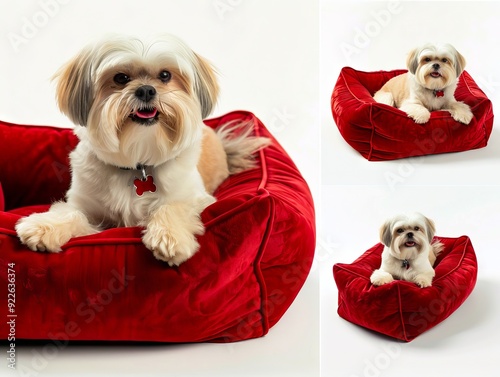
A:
144	157
428	85
409	251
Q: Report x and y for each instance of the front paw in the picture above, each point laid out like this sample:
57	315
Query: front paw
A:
380	277
39	234
173	245
462	113
423	281
420	116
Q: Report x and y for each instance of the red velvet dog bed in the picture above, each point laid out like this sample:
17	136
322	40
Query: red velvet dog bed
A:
401	309
380	132
255	255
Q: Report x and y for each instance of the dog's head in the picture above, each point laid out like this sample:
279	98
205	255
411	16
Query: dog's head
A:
140	102
407	236
435	67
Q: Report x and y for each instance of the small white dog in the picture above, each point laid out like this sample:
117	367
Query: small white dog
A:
145	158
429	85
409	253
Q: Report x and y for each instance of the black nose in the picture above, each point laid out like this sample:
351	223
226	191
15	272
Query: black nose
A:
409	235
145	93
436	66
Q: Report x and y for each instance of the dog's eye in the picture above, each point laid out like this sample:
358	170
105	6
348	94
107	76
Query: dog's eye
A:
400	230
121	78
417	228
165	76
427	60
444	60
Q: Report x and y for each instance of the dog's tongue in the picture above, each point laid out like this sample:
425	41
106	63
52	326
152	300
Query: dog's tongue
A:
409	244
435	74
146	113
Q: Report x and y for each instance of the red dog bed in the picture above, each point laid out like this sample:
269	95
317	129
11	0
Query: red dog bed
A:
380	132
255	255
401	309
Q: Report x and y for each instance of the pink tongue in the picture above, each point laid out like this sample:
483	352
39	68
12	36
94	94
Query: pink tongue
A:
435	74
410	244
146	114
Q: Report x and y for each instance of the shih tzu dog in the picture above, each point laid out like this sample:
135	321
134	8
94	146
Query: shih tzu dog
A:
428	85
144	156
409	251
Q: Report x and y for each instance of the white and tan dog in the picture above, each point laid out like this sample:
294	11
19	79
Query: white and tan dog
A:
428	85
409	253
145	158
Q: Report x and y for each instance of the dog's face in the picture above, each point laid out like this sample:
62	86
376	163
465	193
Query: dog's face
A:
407	236
435	67
141	103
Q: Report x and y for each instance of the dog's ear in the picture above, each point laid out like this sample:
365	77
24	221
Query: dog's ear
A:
206	86
74	89
459	63
431	228
386	233
412	61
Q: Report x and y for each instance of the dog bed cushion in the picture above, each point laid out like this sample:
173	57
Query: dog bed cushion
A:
254	257
381	132
401	309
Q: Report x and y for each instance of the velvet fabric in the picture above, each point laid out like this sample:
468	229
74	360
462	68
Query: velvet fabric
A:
380	132
254	257
401	309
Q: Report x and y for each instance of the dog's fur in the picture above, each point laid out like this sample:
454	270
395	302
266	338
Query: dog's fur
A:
138	108
429	85
409	250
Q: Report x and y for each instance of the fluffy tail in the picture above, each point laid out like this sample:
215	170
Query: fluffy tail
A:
239	145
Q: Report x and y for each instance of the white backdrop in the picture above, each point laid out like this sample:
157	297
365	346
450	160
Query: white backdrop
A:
459	191
266	53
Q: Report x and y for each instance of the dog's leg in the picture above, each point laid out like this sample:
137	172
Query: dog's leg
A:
460	112
424	279
172	229
381	277
50	230
416	111
384	97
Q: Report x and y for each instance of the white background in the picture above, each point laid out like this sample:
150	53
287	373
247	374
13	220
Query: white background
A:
280	59
459	191
266	53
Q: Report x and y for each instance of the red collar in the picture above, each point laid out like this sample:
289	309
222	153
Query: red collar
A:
438	93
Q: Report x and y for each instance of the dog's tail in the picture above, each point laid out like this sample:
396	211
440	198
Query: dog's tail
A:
239	145
437	248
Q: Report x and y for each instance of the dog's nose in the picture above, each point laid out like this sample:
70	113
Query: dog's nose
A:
436	66
145	93
409	235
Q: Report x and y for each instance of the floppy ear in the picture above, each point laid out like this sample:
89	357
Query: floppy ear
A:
431	228
386	233
74	90
459	63
206	86
412	61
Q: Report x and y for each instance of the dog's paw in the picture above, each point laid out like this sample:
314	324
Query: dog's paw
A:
423	281
173	246
39	234
421	116
462	113
380	277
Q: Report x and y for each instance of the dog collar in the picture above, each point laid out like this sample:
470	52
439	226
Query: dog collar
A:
406	263
143	184
438	92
